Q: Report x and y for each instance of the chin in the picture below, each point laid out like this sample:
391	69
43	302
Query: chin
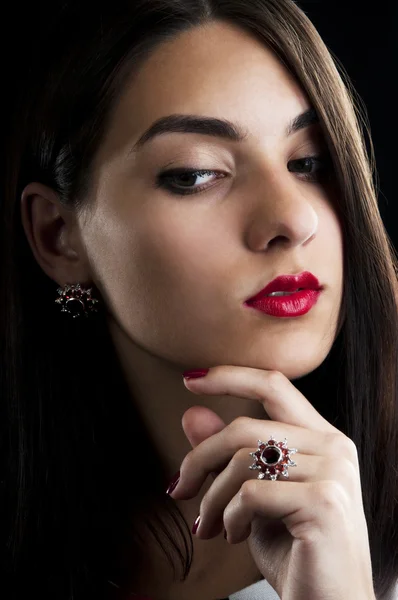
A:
294	366
293	373
298	360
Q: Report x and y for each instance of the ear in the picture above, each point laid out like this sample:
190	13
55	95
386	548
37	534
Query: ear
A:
53	235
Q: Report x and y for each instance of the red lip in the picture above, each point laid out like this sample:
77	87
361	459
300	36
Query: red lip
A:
288	283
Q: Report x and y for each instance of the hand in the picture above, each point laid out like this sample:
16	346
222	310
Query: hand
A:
307	534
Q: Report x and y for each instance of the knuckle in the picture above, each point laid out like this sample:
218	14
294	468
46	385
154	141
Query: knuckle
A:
343	472
329	495
340	446
349	469
247	491
205	504
352	449
239	423
241	456
186	464
274	379
343	469
243	497
228	516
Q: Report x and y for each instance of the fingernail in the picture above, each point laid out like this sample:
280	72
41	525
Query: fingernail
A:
195	374
196	524
173	483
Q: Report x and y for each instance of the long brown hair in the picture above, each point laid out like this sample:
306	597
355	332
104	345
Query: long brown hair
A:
75	487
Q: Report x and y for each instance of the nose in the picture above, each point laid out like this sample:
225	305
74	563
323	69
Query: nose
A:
282	214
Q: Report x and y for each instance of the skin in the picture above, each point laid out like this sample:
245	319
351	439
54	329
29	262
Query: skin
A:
174	270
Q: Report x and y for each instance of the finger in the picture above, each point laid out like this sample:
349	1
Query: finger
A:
307	509
200	423
214	453
281	400
229	482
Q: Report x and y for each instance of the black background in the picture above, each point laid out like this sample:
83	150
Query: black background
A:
364	37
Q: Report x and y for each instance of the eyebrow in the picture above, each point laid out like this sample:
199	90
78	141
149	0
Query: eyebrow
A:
221	128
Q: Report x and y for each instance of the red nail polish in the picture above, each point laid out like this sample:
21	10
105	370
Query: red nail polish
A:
196	524
173	483
195	374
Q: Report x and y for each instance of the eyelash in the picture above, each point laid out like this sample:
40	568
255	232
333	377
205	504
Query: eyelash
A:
162	178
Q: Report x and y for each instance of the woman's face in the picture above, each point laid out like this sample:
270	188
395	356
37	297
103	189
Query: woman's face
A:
175	270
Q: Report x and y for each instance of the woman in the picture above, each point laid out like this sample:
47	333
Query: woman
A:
172	158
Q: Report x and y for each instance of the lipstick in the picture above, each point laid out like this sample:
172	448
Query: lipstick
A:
293	295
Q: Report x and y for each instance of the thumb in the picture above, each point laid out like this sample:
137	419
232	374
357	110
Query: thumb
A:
199	423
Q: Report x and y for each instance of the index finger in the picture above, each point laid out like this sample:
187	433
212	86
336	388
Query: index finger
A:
281	400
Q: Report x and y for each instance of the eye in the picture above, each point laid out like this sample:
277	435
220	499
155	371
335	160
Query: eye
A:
188	178
306	165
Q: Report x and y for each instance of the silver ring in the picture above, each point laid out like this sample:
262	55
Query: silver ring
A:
272	458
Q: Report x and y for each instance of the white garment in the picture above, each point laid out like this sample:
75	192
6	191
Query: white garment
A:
261	590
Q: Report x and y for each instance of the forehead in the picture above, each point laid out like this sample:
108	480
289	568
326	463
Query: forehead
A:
216	70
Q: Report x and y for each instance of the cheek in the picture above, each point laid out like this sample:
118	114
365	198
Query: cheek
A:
177	250
150	268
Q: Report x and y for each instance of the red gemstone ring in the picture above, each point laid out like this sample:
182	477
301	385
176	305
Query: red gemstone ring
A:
272	459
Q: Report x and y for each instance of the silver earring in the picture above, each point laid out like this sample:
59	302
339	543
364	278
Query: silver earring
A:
76	300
